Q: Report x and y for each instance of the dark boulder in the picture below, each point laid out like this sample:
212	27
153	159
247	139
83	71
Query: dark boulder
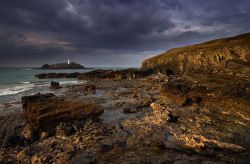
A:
55	85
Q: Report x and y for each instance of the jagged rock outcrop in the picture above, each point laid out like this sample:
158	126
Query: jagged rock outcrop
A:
57	75
44	112
116	74
101	74
72	65
229	56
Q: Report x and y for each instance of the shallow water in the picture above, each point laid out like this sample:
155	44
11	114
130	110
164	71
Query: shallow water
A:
17	82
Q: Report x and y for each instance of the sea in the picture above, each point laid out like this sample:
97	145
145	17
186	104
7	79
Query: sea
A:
17	82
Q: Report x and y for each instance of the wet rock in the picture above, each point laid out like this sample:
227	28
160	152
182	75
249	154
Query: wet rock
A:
90	87
54	85
57	75
128	108
116	74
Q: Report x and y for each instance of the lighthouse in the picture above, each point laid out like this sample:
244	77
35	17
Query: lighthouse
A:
68	61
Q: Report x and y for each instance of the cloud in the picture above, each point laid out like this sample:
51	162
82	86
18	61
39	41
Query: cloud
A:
91	30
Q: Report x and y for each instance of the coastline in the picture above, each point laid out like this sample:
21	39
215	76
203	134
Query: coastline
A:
138	124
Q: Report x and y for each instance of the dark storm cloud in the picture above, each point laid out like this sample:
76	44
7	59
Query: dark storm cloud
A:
114	30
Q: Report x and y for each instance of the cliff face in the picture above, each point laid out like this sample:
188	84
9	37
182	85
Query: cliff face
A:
228	56
63	66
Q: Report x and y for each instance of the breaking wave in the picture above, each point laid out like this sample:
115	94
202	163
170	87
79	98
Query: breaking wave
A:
15	90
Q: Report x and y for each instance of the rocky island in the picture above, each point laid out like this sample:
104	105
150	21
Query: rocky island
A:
188	105
68	65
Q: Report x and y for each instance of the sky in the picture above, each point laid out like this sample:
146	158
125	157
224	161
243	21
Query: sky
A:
111	33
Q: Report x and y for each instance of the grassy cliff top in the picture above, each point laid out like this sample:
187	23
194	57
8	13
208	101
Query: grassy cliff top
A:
214	45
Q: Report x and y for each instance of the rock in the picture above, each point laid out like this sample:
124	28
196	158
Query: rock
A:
132	141
115	74
64	129
90	87
45	111
144	103
54	85
13	141
101	74
11	126
84	158
24	156
28	133
57	75
128	108
228	56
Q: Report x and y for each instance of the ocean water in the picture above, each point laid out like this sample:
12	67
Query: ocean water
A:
18	82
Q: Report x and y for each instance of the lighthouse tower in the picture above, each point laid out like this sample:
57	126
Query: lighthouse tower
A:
68	61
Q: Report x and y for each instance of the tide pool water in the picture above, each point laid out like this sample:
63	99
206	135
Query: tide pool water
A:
17	82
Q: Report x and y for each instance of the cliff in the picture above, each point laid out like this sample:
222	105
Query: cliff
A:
228	56
72	65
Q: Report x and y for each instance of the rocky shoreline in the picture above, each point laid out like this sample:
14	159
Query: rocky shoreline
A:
189	105
156	119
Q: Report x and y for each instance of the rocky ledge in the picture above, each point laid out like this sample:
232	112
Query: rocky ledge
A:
44	112
72	65
101	74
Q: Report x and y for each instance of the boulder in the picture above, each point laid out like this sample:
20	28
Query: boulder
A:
55	85
90	87
44	112
128	108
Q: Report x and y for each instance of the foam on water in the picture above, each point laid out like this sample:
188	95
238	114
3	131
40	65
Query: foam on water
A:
18	82
70	82
15	89
25	82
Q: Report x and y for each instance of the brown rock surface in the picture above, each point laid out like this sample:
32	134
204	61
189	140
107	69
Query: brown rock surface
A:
45	112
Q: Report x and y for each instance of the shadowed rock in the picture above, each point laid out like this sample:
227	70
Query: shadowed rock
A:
57	75
116	74
54	85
